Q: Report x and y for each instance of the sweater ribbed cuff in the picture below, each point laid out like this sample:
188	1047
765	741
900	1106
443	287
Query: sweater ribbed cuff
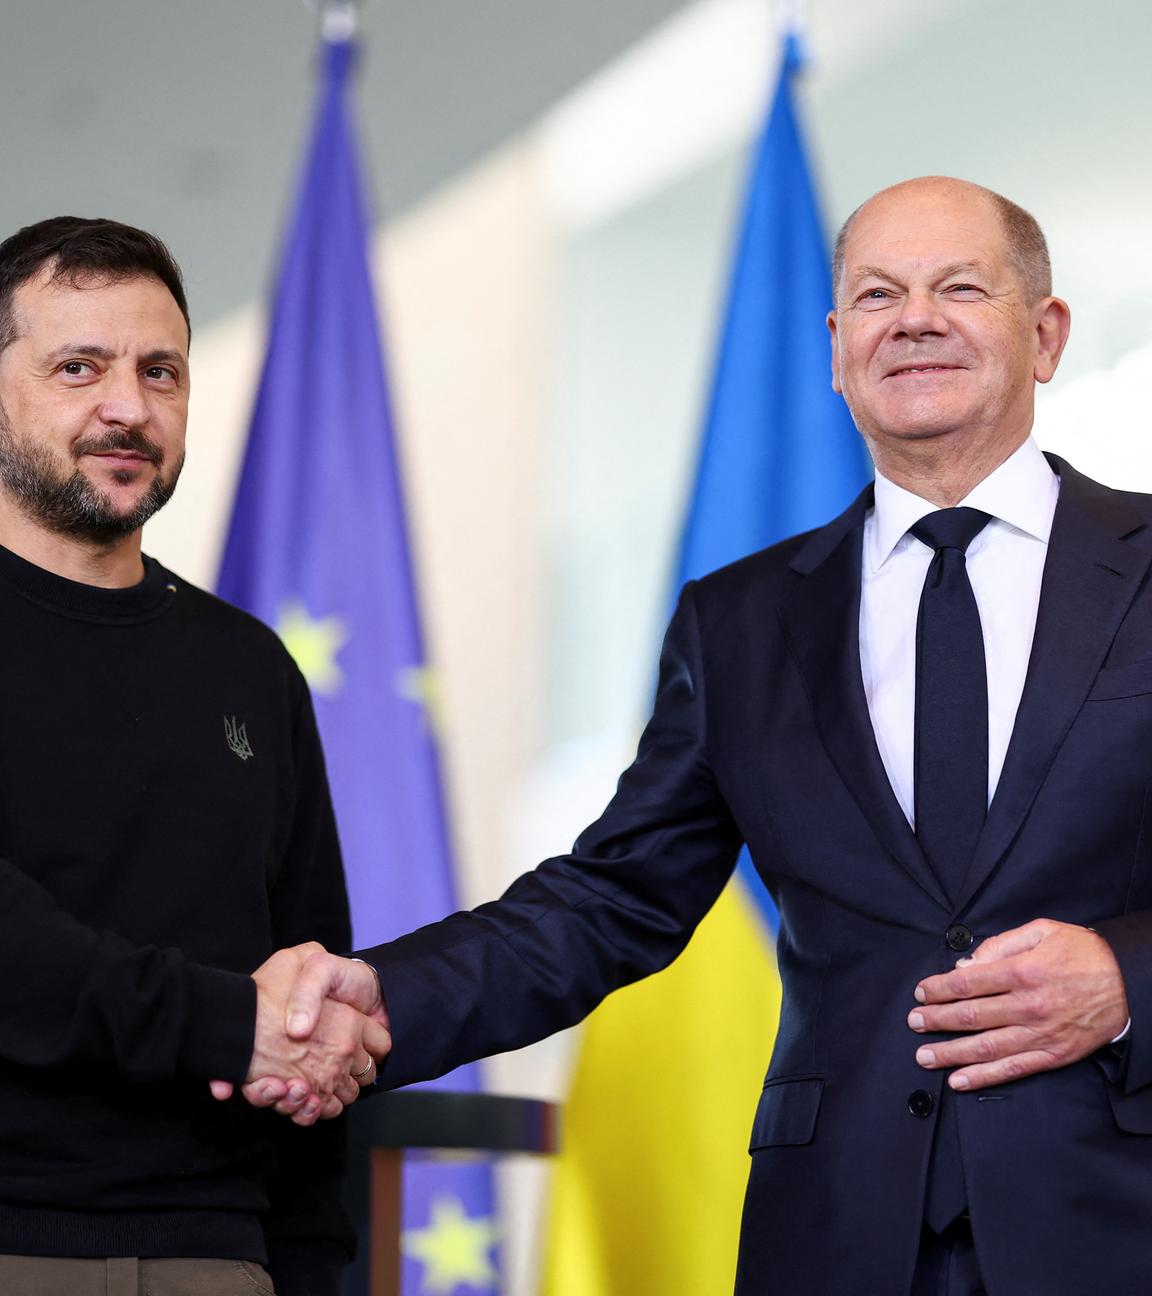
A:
221	1027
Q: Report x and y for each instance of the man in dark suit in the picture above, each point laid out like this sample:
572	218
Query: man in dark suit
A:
931	721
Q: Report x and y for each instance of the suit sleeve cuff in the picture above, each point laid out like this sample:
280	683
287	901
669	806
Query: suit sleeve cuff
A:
1130	938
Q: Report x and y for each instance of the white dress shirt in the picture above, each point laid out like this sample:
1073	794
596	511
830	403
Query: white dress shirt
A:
1005	566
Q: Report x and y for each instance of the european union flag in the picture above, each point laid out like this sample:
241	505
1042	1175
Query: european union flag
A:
780	453
318	548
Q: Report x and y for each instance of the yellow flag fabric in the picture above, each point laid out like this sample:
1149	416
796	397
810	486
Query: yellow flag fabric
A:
648	1188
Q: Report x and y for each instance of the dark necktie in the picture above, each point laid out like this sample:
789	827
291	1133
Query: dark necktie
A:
951	766
951	747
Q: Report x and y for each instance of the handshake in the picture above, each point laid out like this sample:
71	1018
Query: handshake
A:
321	1031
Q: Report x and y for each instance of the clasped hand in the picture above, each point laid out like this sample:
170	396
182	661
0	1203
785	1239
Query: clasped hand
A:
1031	999
321	1031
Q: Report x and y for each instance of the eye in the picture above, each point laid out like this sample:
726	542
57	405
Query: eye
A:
160	373
76	368
875	299
963	289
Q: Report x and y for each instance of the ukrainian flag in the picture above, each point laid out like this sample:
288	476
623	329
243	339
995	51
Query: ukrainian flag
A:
647	1194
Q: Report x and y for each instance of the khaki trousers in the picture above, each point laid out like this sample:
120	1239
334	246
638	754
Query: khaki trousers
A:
48	1276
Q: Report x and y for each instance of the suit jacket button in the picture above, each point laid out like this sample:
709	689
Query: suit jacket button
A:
959	938
920	1103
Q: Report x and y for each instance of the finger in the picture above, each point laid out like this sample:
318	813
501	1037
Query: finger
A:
1018	940
376	1040
266	1091
346	1092
972	1014
309	1113
973	981
971	1050
365	1076
1002	1071
221	1090
288	1106
293	1098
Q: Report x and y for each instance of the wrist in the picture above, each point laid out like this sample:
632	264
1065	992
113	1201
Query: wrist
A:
382	1007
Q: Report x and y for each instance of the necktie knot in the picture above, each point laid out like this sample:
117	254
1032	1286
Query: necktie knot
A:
953	528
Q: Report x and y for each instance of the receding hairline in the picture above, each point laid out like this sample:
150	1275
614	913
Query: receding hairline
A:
81	250
53	274
1024	239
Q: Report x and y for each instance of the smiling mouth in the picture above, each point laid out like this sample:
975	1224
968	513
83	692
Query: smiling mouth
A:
120	452
922	369
125	460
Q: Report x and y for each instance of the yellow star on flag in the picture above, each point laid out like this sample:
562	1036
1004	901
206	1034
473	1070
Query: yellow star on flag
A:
313	643
453	1249
421	684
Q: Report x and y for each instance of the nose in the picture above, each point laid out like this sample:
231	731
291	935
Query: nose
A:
123	402
919	316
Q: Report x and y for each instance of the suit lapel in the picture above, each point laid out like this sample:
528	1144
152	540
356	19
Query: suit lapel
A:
1090	578
821	621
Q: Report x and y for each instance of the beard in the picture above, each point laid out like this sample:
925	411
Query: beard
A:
68	503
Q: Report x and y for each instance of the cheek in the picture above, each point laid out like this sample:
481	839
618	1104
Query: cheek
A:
858	381
49	422
169	422
1010	369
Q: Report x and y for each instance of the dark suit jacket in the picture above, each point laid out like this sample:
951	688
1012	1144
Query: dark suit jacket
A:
760	733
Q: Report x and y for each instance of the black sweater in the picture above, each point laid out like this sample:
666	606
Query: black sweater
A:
164	826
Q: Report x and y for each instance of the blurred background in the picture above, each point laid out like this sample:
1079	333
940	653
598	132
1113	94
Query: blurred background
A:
555	190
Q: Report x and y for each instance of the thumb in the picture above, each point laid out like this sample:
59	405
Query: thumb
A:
307	995
319	978
327	976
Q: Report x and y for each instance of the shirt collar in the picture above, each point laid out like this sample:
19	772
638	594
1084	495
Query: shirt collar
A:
1020	493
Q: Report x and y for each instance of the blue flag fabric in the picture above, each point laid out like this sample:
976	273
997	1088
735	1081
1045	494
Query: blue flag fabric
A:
318	548
780	453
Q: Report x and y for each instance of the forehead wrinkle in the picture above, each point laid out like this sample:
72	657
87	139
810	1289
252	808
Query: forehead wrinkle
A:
98	352
92	349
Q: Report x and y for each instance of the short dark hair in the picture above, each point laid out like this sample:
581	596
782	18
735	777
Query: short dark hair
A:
1027	246
79	249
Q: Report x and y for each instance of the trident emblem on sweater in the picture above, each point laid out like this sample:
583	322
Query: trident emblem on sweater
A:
237	735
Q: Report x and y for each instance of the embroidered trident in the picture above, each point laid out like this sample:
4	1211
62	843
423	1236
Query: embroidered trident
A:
237	735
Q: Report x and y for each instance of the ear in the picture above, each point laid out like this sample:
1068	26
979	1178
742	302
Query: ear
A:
831	322
1053	321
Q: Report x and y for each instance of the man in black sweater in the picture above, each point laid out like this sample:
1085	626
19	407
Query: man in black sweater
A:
165	825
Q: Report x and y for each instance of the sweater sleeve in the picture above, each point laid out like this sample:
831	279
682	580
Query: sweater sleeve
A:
81	995
309	1234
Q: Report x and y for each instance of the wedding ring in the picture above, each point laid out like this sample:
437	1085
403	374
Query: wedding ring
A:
359	1075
